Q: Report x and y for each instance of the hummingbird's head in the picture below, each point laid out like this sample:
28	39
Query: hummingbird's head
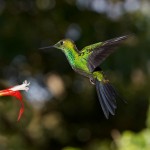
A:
65	44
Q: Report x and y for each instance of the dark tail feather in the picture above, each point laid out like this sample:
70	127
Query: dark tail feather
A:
107	97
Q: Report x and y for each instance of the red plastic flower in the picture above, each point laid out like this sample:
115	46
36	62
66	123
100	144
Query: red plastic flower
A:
15	91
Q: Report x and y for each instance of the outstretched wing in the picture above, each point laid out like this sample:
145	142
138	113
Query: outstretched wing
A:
102	51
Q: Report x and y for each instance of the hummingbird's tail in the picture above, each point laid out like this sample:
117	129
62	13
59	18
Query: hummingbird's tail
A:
107	95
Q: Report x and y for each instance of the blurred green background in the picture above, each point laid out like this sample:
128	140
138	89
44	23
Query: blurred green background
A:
62	111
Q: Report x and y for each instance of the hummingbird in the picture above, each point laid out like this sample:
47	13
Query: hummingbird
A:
87	63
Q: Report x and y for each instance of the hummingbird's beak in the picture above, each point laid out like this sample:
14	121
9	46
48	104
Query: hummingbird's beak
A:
46	47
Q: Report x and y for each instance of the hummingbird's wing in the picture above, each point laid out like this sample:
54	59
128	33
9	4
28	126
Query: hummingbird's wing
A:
99	53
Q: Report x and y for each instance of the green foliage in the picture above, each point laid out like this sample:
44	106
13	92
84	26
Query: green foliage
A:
134	141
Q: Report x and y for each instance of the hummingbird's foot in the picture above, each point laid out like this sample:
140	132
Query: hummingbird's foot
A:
92	81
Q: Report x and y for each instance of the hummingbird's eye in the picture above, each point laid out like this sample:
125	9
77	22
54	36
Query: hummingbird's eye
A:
61	42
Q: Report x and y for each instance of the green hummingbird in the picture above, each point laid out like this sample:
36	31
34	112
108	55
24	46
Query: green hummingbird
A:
86	62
